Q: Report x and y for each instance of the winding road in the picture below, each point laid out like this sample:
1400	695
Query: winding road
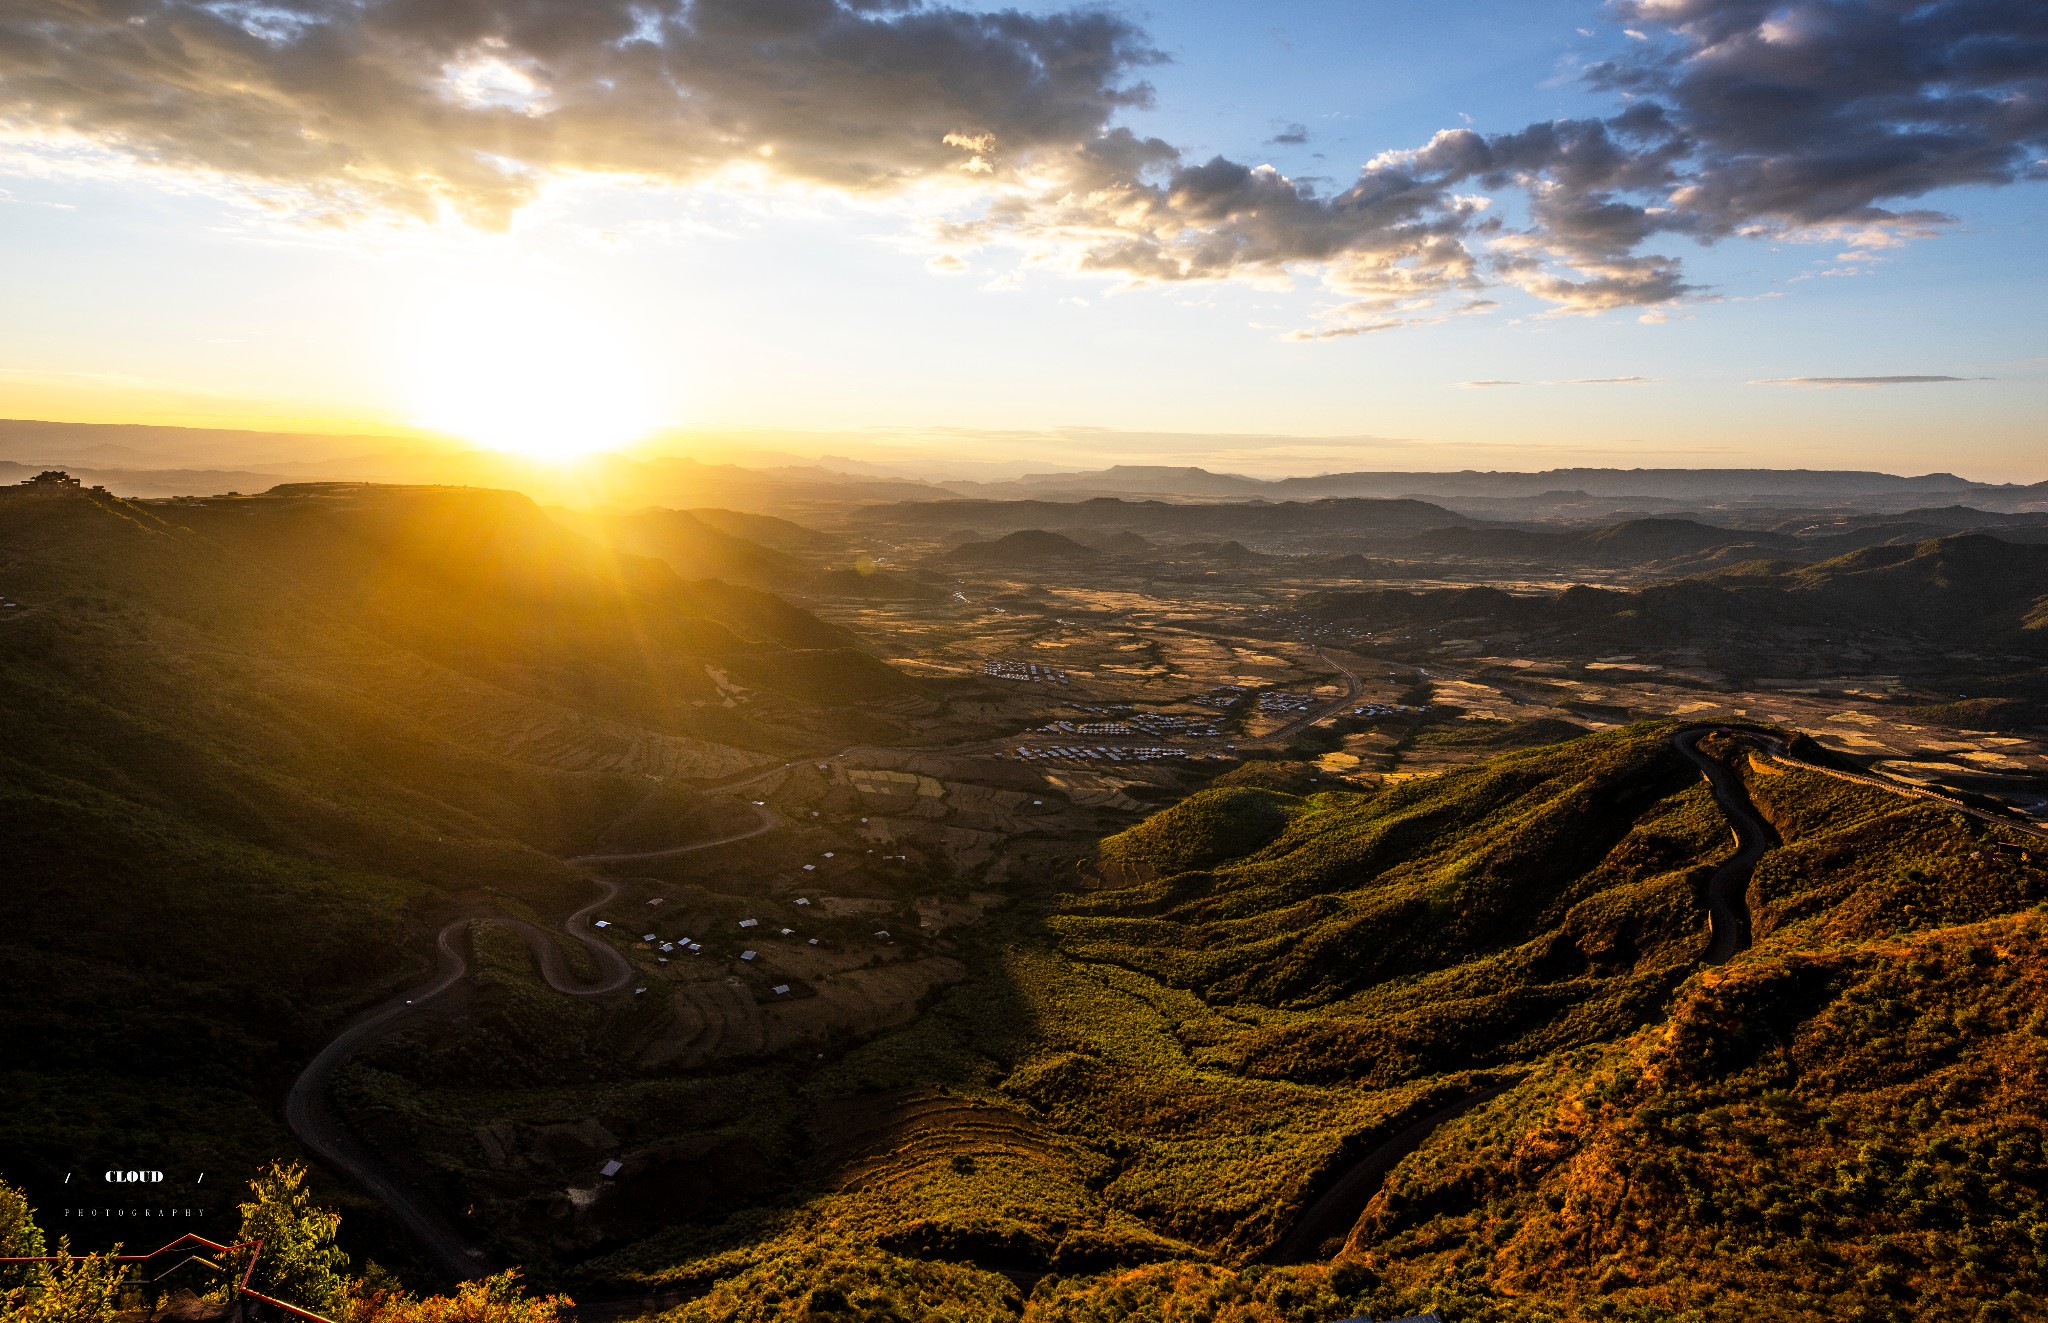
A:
1728	885
312	1120
1337	1210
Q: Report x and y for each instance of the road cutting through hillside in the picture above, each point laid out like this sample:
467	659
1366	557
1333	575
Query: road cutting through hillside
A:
306	1109
1728	885
1337	1210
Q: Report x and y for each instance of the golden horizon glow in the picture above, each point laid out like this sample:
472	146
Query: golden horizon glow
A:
519	369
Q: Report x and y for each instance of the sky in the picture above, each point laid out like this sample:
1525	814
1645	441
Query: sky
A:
1279	237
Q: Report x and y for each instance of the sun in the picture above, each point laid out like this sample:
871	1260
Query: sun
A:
521	369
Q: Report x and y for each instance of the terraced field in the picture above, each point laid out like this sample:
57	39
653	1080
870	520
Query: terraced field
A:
716	1020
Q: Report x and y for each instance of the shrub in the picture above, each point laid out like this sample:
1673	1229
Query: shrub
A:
499	1299
81	1290
299	1262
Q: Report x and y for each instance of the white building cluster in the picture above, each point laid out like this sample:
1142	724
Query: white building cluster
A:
1002	668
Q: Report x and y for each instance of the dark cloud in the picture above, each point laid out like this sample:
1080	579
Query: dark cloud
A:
1828	112
418	106
1857	381
1294	135
1815	118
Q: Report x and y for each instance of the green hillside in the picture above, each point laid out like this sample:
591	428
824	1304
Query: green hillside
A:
250	749
1275	1053
1838	1124
691	546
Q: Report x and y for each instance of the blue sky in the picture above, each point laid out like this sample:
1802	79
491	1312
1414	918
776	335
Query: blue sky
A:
746	302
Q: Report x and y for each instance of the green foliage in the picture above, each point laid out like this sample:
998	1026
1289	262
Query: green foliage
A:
299	1262
1205	828
20	1237
1490	733
1187	1293
81	1290
1844	1119
495	1299
853	1283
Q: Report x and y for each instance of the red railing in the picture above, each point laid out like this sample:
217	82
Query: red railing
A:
255	1248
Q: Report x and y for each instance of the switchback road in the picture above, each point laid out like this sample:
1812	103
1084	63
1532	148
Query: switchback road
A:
312	1120
1728	886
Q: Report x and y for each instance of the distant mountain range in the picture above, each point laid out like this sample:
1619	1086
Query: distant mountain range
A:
159	461
1947	609
1558	492
1099	514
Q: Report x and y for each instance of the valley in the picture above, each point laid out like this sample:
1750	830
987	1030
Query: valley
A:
1033	933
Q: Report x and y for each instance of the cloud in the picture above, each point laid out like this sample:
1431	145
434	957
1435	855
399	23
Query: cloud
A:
1346	332
1821	112
1829	383
1805	122
1481	385
359	107
1294	135
1793	120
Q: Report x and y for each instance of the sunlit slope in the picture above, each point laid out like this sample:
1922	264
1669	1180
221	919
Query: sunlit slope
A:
1846	1122
248	751
687	544
1489	910
487	583
1181	1063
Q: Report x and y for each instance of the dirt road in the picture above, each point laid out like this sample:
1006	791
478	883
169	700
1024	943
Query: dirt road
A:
1728	886
312	1120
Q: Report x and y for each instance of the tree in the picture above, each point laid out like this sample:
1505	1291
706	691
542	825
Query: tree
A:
20	1237
68	1290
498	1299
299	1262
